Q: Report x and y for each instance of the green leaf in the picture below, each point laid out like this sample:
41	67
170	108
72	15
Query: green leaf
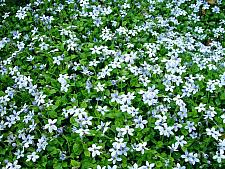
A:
184	132
87	153
75	163
159	144
52	91
52	149
44	161
159	164
83	105
77	149
57	166
64	164
2	151
222	97
52	114
86	163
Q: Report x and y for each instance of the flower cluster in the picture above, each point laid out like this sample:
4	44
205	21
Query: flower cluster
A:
112	84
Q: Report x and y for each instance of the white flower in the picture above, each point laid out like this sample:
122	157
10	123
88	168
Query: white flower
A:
190	126
165	130
147	166
221	144
104	126
113	167
95	50
219	156
39	98
19	154
180	141
223	117
190	157
173	147
62	79
99	87
150	96
212	132
179	166
127	130
135	166
216	9
21	14
95	150
82	132
99	167
115	97
64	88
210	114
44	46
13	165
102	110
32	157
56	60
141	147
50	126
139	122
201	107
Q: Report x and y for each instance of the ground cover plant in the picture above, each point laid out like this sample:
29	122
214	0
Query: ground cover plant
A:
112	84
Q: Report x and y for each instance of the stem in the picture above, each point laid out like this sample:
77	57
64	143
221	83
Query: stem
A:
67	143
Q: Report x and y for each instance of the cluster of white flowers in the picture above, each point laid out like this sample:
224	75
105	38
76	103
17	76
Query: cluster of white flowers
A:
113	84
21	13
150	96
63	81
119	148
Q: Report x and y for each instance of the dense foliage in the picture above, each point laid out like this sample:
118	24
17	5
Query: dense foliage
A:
106	84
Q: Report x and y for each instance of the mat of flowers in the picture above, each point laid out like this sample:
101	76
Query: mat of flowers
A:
112	84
